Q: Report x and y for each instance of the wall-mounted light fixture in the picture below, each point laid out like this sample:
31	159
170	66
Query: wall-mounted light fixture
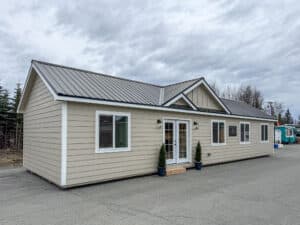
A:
196	125
158	123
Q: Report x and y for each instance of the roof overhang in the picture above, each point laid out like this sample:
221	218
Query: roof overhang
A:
28	81
152	107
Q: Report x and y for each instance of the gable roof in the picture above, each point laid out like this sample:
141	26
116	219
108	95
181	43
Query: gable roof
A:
170	91
71	84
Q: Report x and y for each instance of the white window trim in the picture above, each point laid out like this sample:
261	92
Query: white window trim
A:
211	128
113	149
266	141
245	142
181	96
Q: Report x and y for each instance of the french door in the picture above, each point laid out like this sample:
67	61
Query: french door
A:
176	140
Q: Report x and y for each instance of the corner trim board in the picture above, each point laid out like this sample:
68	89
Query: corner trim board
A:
64	119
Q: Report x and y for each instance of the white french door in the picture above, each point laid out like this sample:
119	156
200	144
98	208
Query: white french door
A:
176	140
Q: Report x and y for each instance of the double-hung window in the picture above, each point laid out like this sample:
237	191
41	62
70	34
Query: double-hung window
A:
112	131
218	132
245	132
264	133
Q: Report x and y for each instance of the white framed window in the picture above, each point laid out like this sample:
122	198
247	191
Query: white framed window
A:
113	131
218	132
244	132
264	136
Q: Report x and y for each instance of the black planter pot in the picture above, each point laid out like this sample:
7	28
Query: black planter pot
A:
198	165
161	171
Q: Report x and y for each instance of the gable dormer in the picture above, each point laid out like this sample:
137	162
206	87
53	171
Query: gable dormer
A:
202	98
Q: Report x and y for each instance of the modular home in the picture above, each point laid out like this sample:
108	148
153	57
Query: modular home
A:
83	127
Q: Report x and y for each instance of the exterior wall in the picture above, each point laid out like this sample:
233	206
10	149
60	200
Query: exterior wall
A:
203	99
42	132
86	166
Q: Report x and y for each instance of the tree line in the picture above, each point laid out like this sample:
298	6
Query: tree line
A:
254	97
11	123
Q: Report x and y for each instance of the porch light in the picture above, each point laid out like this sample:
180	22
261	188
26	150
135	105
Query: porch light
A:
196	125
158	123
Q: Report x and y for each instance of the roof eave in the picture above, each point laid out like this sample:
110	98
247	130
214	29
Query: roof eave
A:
150	107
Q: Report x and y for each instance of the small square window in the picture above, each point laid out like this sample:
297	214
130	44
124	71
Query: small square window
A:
232	131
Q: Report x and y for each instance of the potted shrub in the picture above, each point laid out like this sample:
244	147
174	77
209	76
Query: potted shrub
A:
198	157
162	161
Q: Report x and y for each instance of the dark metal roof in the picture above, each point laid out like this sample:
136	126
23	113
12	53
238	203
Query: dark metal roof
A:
72	82
243	109
85	84
172	90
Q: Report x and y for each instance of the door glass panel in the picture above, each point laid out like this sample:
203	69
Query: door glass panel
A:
182	140
169	141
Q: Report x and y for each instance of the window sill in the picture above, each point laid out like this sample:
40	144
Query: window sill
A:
112	150
245	143
218	144
264	142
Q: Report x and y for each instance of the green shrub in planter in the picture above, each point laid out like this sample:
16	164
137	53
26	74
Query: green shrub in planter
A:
162	161
198	157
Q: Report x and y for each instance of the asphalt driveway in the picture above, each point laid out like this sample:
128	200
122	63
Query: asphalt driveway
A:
260	191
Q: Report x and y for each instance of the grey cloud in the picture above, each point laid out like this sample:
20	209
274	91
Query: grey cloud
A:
231	42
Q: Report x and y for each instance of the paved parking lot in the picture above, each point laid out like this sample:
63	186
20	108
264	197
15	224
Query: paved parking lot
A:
260	191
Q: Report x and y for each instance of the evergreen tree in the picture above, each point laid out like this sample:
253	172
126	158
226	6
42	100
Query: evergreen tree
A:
288	119
17	97
280	118
18	118
4	100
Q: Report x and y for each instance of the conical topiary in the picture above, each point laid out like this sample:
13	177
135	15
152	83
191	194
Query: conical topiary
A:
162	157
198	156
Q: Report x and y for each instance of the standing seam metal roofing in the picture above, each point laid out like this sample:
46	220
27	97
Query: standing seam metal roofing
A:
67	81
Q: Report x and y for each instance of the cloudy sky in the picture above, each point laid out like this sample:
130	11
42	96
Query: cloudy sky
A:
227	42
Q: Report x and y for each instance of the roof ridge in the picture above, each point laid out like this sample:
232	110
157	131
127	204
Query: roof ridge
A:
181	82
96	73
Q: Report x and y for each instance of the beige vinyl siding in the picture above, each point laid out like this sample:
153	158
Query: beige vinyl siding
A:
86	166
181	102
42	132
201	97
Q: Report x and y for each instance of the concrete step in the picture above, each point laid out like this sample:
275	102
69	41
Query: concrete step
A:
173	170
